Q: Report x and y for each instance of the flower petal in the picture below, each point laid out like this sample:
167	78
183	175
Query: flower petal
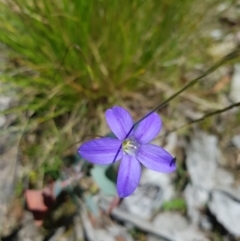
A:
120	121
156	158
129	174
101	151
148	128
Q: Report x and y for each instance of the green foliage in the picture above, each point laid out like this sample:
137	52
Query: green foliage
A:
68	57
177	204
105	184
52	169
67	51
19	189
91	205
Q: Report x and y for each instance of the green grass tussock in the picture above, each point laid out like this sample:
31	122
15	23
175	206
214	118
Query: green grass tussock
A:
71	56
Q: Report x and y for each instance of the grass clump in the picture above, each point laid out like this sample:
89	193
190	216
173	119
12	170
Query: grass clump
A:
70	58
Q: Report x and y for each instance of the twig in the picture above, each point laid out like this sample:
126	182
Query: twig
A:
207	116
226	59
223	61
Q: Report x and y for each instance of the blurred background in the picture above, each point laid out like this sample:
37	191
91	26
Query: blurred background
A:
63	63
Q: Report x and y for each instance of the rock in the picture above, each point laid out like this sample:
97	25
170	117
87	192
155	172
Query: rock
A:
222	7
221	49
227	211
232	191
154	238
223	177
196	198
29	231
2	121
78	229
202	157
236	141
205	223
8	167
172	143
216	34
59	235
8	145
113	233
132	220
102	234
155	188
235	85
177	227
5	101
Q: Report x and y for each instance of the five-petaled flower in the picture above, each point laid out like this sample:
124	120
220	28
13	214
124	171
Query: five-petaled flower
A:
132	149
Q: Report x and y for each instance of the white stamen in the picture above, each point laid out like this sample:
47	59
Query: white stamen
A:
130	146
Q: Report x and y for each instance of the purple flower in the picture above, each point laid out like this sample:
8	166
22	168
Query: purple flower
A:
133	150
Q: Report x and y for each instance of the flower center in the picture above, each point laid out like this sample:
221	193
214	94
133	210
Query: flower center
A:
130	146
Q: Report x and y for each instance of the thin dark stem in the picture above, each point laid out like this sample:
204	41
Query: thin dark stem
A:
223	61
190	84
208	115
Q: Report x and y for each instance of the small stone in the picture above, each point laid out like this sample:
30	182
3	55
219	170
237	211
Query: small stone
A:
202	158
216	34
236	141
155	188
154	238
227	211
2	121
196	198
205	223
4	102
220	50
177	227
235	85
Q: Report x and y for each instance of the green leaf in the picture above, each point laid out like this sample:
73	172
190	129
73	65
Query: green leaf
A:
99	175
92	205
57	188
175	204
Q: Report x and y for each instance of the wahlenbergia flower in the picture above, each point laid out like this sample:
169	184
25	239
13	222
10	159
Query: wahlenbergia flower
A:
132	150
